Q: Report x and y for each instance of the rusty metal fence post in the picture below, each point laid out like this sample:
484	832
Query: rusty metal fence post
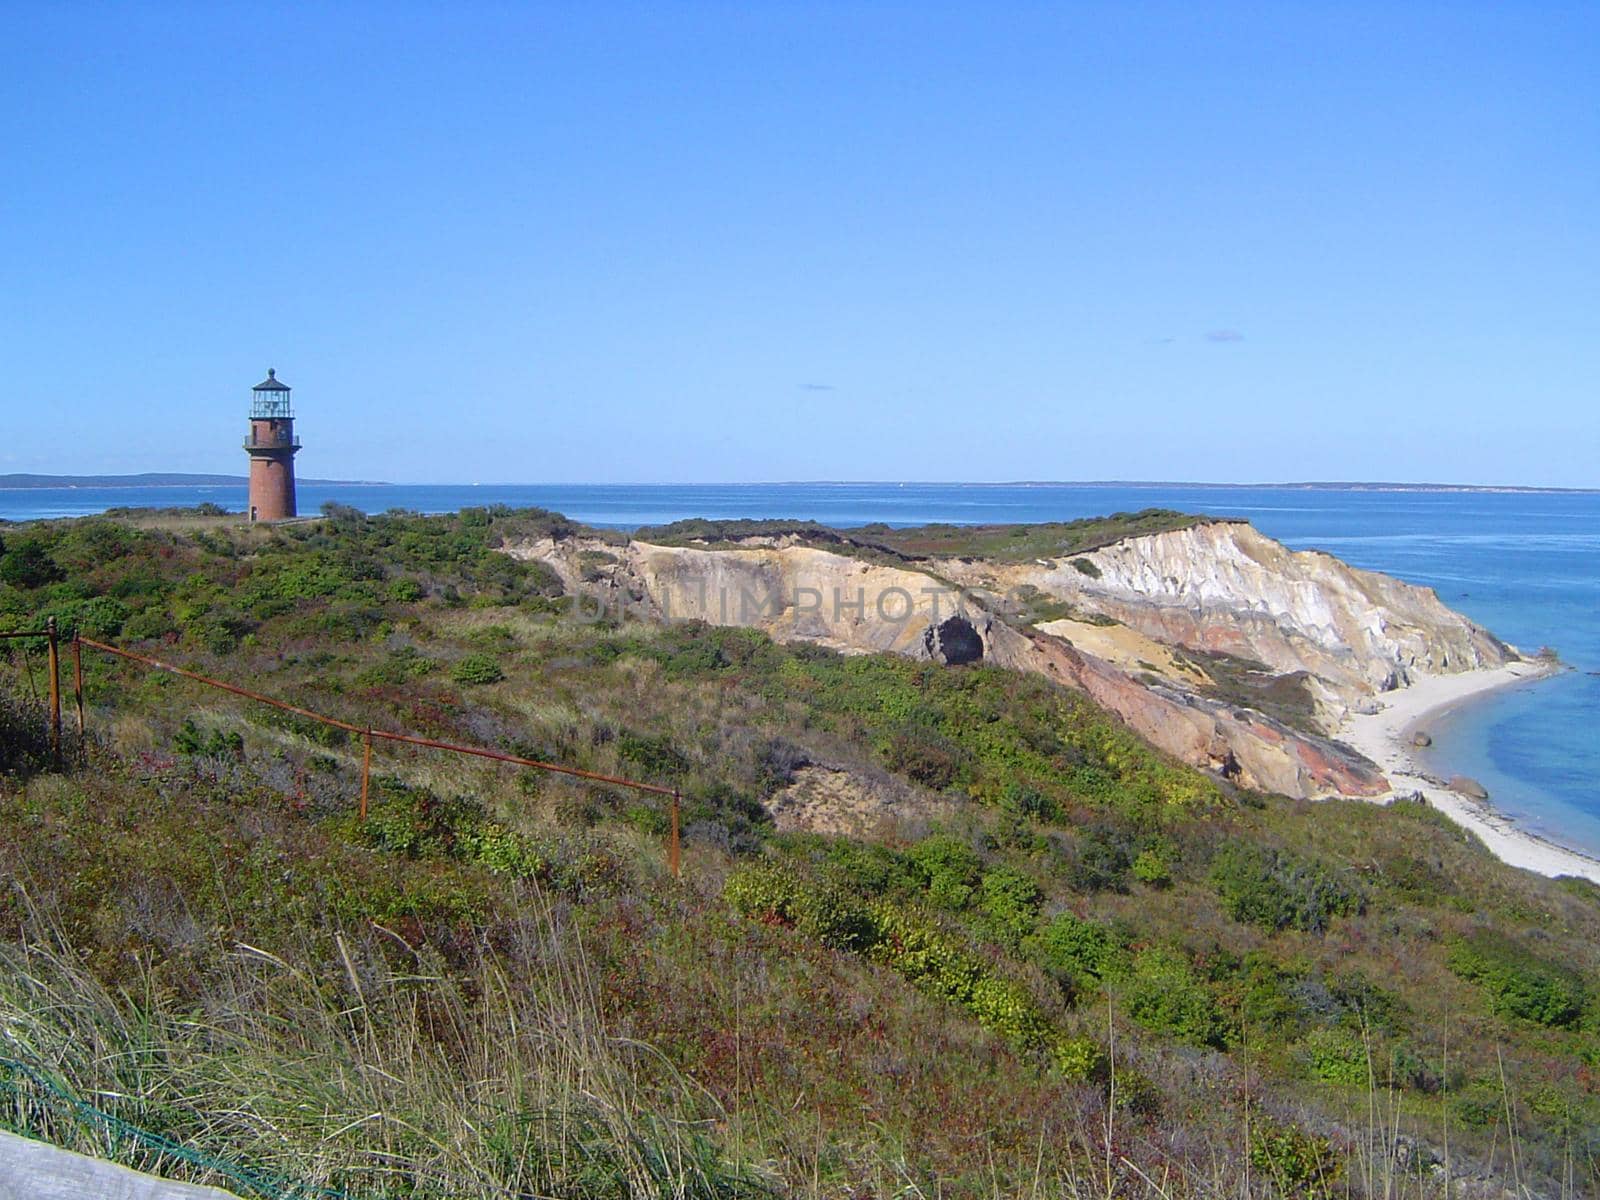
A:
55	688
77	685
674	859
366	771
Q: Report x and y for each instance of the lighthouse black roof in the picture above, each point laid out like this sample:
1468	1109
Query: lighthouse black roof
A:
271	383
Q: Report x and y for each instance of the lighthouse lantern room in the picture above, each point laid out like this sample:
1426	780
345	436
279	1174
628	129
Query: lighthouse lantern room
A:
271	446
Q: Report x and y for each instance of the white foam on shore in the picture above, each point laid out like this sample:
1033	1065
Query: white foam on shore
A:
1385	738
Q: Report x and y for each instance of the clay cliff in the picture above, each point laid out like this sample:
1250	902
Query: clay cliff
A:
1151	622
1222	587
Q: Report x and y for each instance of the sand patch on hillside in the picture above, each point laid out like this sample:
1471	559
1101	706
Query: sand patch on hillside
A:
1126	648
844	804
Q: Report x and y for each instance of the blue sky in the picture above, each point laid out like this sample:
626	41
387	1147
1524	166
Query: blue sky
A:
746	242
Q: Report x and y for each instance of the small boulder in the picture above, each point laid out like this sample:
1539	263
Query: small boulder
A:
1420	739
1469	787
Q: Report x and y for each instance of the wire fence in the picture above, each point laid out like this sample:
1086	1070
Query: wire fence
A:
368	734
32	1104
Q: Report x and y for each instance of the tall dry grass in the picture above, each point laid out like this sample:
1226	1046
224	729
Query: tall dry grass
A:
378	1077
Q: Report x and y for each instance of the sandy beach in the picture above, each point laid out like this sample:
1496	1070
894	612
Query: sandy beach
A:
1385	738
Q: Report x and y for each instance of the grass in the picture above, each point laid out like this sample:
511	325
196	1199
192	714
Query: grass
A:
1000	543
391	1077
494	982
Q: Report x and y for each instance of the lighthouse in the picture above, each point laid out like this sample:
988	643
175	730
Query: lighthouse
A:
271	447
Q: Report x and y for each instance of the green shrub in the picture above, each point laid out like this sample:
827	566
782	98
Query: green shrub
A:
869	868
1480	1104
27	564
1010	904
1336	1055
1163	994
1087	567
1151	867
400	666
477	669
148	624
1519	984
502	851
1278	890
936	963
1136	1093
404	590
1078	1059
192	741
1105	855
1295	1161
95	617
1005	1008
1070	949
947	868
1024	800
654	755
925	955
774	896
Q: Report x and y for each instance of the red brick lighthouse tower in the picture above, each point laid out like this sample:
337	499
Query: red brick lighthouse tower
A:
271	447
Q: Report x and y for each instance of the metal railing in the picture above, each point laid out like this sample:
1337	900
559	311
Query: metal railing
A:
280	443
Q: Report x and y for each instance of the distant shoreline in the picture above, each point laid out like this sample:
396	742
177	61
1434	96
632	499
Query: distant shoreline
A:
43	483
31	482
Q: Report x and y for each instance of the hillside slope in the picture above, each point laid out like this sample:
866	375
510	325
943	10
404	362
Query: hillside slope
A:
945	927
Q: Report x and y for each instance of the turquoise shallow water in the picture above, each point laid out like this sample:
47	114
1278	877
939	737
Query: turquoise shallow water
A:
1526	565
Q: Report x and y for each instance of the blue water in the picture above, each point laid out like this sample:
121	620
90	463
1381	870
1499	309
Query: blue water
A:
1526	565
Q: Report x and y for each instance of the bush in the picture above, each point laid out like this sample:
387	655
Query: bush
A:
1010	903
1105	856
1023	800
1003	1007
937	964
147	625
1163	995
923	756
404	590
191	741
1069	949
776	897
1337	1056
27	564
1519	984
947	868
1087	567
24	737
1296	1162
1152	868
654	755
477	669
868	868
1278	890
1078	1059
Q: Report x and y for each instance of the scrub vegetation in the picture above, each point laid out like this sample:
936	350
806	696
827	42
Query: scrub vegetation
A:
1062	964
999	543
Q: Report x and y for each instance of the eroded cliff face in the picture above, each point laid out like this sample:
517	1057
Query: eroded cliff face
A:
1223	587
792	592
1219	587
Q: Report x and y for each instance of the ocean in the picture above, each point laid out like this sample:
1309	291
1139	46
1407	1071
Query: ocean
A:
1526	565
